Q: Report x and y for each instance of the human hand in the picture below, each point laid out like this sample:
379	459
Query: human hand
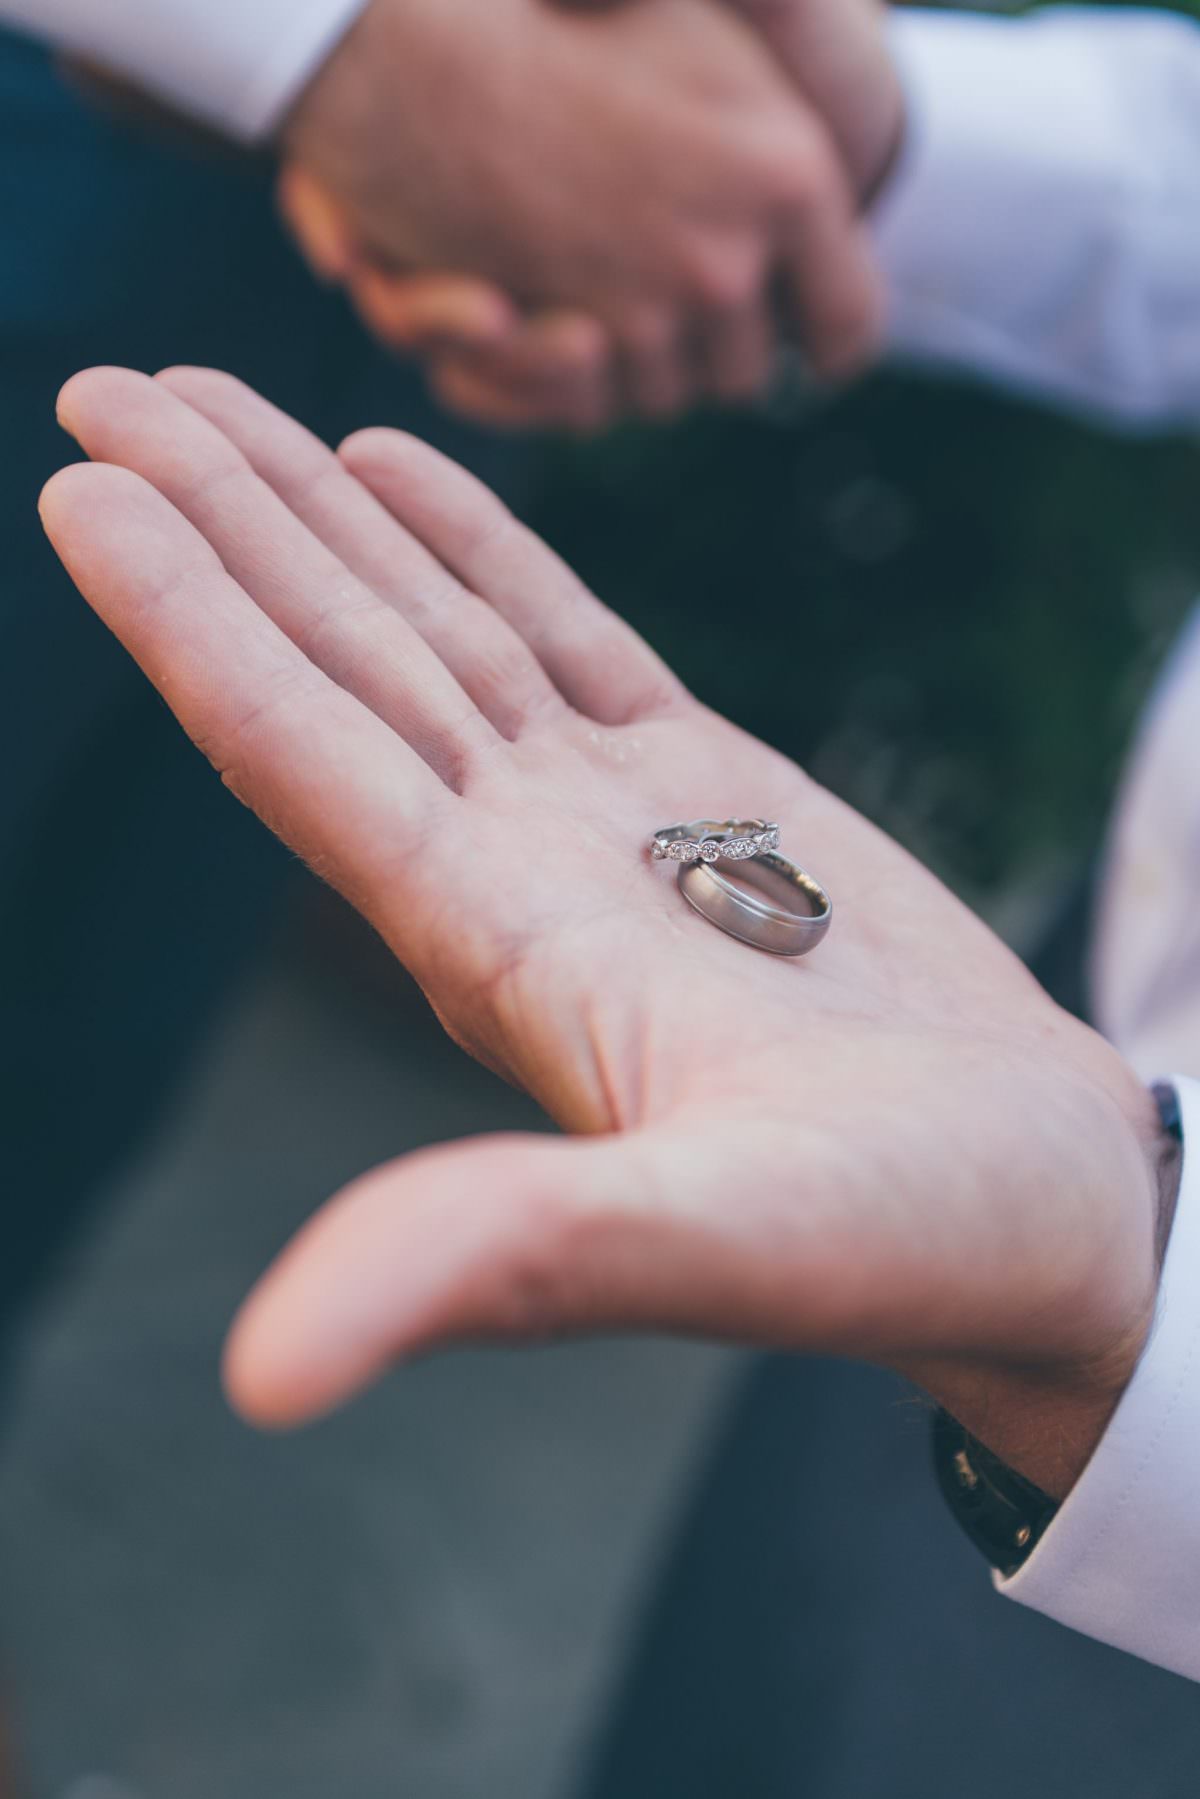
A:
483	357
899	1149
670	181
559	367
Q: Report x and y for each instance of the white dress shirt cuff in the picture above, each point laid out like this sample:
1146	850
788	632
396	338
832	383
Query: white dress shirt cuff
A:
235	64
1121	1560
1041	226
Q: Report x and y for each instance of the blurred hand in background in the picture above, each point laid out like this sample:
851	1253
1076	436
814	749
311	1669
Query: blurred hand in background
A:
576	211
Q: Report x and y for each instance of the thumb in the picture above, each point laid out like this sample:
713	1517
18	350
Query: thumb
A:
431	311
318	223
510	1237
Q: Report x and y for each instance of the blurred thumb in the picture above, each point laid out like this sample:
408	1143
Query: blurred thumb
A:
509	1237
320	226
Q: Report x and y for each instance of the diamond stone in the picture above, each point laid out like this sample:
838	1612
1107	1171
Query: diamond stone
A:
712	849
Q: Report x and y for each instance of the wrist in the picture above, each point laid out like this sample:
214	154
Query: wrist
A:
1045	1421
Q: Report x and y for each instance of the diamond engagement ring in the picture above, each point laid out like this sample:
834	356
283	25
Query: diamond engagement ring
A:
707	840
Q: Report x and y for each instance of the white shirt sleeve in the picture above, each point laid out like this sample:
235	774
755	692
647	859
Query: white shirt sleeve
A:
235	64
1043	225
1121	1560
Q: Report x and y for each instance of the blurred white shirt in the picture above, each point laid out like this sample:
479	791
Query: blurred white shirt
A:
234	64
1043	226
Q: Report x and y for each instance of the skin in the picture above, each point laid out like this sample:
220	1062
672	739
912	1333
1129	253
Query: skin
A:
649	167
551	365
898	1149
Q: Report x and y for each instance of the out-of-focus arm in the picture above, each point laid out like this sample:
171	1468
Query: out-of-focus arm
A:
235	64
1043	226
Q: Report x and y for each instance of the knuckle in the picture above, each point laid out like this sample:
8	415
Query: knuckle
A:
332	636
797	171
235	753
738	384
205	485
795	185
659	692
852	336
648	333
727	279
508	684
491	531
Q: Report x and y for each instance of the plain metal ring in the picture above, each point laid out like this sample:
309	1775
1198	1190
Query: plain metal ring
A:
787	916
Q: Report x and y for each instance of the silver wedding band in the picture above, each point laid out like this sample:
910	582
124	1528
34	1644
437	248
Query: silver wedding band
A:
786	914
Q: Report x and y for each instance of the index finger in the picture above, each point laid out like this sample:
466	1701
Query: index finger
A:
320	769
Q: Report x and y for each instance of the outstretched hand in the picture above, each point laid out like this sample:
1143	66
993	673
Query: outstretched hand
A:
898	1149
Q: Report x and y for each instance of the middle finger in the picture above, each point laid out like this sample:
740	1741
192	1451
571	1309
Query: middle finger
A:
338	620
490	660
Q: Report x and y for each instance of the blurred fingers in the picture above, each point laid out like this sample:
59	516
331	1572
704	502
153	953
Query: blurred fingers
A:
425	313
828	279
492	399
736	352
556	371
318	223
657	378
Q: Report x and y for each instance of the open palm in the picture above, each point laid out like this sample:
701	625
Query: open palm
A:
897	1148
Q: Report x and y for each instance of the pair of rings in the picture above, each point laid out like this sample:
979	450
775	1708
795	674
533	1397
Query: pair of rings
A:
773	904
